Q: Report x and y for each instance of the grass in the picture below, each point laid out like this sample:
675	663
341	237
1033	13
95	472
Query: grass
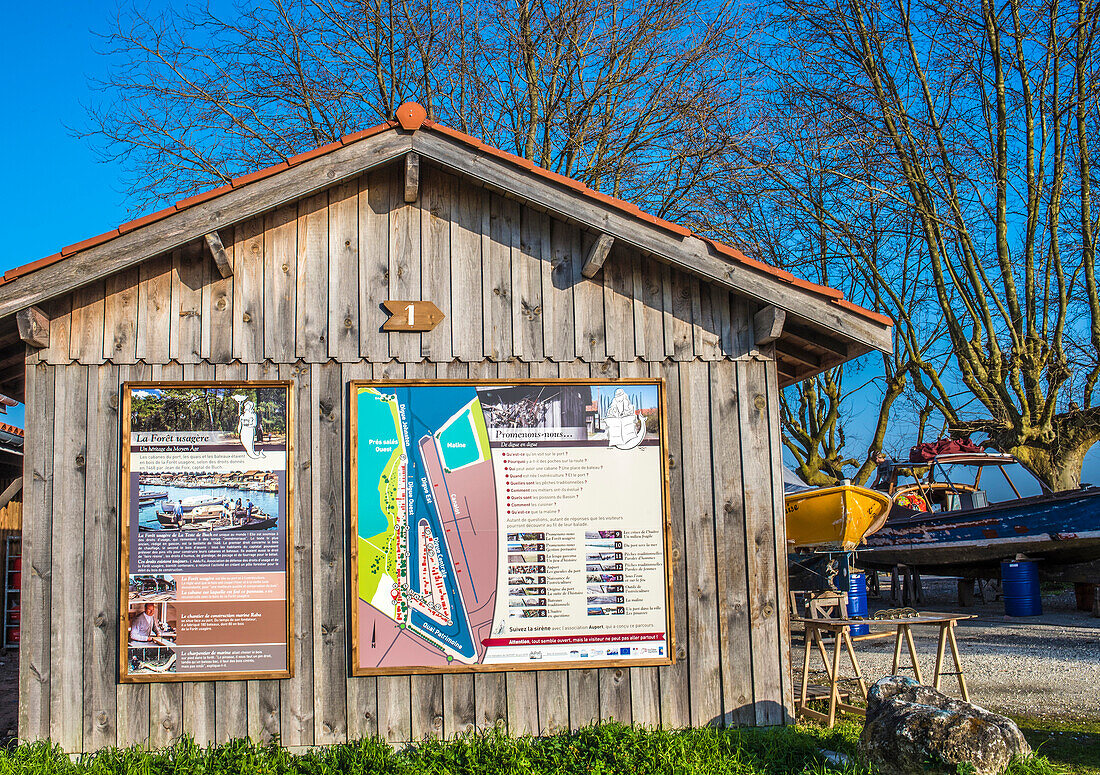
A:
1072	746
605	749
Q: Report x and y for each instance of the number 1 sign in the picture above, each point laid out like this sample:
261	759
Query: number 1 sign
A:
410	315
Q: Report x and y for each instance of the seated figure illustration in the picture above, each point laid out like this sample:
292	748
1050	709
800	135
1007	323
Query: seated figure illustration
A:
625	429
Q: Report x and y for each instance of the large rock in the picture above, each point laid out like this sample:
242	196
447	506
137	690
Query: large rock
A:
915	729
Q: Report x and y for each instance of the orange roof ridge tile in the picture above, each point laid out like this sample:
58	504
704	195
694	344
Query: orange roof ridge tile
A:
11	429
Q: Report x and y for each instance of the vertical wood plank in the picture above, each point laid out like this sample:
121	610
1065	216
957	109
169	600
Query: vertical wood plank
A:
559	273
248	708
404	267
154	310
217	306
374	263
280	256
343	273
437	191
782	582
588	303
296	695
36	548
741	327
732	578
101	560
681	292
329	588
710	317
247	306
66	620
86	338
311	279
500	241
165	699
648	307
675	678
188	278
527	267
703	668
618	305
362	692
760	527
120	316
133	700
466	276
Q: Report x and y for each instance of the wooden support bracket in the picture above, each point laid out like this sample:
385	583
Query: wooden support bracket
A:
597	254
217	250
768	324
34	327
412	177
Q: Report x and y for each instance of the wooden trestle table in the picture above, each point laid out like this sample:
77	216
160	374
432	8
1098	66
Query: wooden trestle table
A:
815	627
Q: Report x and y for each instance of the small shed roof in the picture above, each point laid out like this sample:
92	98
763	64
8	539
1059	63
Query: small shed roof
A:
822	329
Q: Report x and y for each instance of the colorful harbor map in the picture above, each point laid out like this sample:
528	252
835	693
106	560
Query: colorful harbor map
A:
427	527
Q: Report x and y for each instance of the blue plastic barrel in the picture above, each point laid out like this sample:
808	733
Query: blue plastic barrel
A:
1020	587
857	601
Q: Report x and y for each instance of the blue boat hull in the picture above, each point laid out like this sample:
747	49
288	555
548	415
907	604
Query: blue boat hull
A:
1060	529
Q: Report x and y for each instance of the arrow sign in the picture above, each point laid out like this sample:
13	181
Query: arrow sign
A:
411	315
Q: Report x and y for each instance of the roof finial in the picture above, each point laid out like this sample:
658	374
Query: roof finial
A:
411	116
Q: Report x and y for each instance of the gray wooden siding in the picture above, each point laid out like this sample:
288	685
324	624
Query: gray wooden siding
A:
303	304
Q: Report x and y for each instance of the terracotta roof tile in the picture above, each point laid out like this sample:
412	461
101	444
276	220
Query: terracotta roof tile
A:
412	117
11	429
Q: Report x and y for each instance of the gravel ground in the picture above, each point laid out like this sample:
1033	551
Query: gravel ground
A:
1037	666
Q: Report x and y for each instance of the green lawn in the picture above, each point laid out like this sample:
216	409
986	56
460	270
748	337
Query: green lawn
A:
608	749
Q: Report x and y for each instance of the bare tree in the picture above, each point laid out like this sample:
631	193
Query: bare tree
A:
972	124
638	98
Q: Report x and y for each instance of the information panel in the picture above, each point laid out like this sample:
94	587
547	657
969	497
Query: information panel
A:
205	531
499	524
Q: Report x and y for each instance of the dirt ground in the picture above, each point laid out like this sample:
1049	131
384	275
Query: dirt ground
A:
1046	666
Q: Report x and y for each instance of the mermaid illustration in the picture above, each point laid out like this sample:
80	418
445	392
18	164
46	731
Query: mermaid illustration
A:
246	426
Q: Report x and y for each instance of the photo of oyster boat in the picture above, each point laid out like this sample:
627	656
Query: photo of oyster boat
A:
213	502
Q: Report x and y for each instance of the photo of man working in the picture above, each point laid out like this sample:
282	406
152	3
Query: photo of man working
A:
146	631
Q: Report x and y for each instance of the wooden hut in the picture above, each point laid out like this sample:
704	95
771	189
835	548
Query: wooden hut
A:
280	275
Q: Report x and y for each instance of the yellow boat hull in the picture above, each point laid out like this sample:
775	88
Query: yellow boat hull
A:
834	517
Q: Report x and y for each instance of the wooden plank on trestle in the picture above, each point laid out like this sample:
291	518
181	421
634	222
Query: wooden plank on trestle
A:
296	693
165	699
154	310
311	280
674	679
189	265
589	332
760	527
499	242
86	342
101	549
527	264
248	290
120	316
36	550
329	587
217	311
782	581
404	275
681	295
650	278
65	621
362	692
436	205
280	253
704	668
732	577
466	276
343	272
133	700
374	264
706	334
558	276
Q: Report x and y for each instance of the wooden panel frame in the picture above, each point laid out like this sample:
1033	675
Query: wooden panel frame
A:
666	525
126	390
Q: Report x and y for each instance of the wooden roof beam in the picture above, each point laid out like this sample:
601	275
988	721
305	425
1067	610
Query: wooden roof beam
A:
597	254
804	336
34	327
768	324
803	358
217	250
